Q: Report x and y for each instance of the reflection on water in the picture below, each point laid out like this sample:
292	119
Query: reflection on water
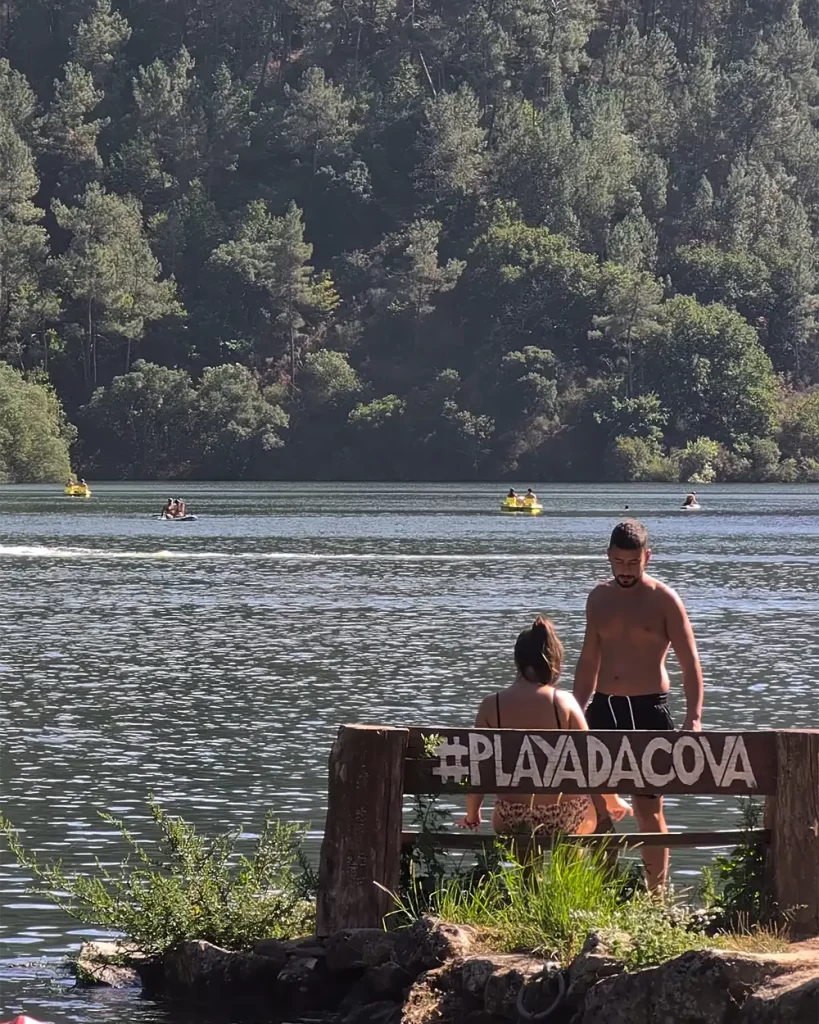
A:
210	662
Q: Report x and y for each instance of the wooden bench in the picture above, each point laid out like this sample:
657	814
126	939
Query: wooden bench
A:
372	767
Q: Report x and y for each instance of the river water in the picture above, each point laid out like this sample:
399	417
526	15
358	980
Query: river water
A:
211	662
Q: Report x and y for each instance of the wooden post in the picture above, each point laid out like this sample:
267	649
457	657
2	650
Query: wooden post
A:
793	817
362	836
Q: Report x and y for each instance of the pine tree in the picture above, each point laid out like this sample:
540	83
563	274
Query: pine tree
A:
632	299
452	145
270	254
97	41
317	122
110	273
26	304
168	116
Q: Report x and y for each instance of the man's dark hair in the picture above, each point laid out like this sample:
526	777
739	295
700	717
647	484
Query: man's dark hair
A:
629	536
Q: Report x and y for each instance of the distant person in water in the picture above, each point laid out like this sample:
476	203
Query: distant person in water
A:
512	493
621	678
167	509
530	498
181	509
691	499
534	702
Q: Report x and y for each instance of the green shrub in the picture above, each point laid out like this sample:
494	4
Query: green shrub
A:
551	902
188	886
636	458
735	888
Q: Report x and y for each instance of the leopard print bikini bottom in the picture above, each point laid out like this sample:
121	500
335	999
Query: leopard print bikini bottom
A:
564	817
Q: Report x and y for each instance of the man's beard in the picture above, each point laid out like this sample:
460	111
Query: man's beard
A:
626	582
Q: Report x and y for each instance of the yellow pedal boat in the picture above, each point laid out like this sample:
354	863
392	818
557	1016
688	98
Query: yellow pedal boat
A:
521	508
77	491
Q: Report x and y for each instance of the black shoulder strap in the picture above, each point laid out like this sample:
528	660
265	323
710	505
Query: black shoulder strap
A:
557	711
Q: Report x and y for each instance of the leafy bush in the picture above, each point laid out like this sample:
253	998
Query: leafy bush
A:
551	901
735	888
35	436
636	459
188	887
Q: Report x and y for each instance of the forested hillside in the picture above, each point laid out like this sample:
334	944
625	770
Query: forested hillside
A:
541	239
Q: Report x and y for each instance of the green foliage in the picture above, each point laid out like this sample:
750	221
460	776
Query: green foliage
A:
711	373
35	436
186	886
735	888
352	201
550	902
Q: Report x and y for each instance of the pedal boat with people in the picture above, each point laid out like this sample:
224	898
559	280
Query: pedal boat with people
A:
77	491
521	507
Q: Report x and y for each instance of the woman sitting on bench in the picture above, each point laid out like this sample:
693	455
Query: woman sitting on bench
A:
533	702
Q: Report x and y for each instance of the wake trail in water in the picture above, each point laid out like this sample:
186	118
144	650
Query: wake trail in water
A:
100	554
43	552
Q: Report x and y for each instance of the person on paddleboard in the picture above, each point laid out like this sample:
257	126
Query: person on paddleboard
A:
621	679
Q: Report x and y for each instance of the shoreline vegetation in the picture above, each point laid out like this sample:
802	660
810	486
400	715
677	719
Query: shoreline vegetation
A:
209	909
402	241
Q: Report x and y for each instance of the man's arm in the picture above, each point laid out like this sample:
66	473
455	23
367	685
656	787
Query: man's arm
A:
685	647
588	664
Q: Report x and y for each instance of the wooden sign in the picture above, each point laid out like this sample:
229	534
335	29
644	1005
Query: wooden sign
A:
513	761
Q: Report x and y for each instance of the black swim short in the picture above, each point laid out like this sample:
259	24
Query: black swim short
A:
648	711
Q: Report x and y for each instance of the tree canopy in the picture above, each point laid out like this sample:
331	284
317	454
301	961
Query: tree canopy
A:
410	240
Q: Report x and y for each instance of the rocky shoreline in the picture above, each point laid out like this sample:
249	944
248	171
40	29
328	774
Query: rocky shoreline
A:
440	973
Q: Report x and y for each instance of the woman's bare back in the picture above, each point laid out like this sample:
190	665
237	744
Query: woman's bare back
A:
524	706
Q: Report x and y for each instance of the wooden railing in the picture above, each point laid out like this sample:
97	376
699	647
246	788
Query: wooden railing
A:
372	767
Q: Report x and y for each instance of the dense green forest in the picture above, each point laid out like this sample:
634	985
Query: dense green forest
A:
541	239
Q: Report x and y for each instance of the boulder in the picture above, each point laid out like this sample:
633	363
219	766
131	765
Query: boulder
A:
429	943
387	981
200	972
381	1012
428	1000
788	999
359	948
700	987
305	985
273	949
112	964
512	974
596	960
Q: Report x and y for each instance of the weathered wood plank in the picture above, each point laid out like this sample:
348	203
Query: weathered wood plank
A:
513	761
362	837
717	838
793	816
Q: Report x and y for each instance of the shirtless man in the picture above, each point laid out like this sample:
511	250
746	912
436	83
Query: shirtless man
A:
631	621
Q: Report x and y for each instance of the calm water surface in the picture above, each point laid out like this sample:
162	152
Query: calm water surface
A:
211	662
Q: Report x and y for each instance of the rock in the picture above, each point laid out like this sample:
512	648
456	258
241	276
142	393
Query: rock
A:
387	981
427	1001
358	948
200	972
597	960
789	999
108	963
700	987
429	943
273	949
311	946
305	985
382	1012
511	974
